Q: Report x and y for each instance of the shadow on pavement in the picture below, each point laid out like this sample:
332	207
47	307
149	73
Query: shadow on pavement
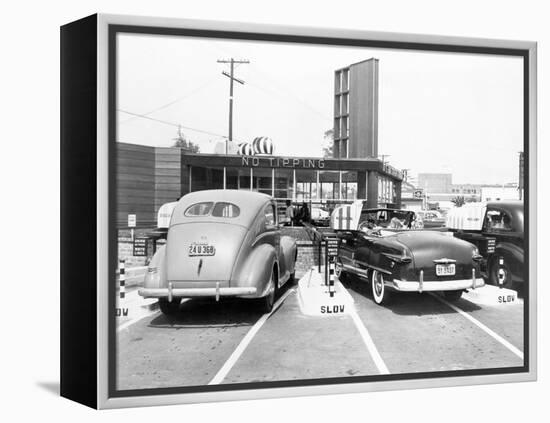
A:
227	312
410	303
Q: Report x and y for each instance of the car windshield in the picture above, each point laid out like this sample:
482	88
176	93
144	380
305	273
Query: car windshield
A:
209	208
391	219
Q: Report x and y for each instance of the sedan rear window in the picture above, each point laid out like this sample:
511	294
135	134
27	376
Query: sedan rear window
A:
225	210
210	208
199	209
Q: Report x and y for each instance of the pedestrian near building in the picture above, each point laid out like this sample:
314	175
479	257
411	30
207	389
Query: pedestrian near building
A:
290	213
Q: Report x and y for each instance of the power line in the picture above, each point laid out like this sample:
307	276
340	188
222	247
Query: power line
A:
165	122
177	100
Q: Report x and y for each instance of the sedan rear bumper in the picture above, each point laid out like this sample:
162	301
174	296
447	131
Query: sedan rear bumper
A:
421	286
216	292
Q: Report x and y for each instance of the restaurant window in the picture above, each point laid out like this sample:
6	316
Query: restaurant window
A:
284	183
236	178
348	190
329	182
306	185
263	181
203	178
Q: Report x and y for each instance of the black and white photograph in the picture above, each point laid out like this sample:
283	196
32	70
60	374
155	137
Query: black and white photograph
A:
291	211
295	212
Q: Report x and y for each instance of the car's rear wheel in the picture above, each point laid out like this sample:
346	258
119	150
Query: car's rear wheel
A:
266	303
453	295
169	308
500	275
380	293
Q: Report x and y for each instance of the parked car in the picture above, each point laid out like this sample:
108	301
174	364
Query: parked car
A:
496	228
381	247
221	243
319	216
431	218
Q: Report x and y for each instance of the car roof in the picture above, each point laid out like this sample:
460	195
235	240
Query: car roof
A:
249	203
512	205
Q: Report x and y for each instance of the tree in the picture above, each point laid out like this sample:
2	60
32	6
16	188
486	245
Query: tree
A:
186	145
458	201
328	143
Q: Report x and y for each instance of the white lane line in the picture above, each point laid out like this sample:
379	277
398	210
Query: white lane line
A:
484	328
228	365
376	357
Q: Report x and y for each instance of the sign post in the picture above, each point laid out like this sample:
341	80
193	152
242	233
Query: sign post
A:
132	220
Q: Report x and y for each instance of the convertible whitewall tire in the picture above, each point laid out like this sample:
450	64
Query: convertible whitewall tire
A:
380	293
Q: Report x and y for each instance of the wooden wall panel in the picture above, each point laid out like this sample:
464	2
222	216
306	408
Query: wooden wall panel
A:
135	176
167	175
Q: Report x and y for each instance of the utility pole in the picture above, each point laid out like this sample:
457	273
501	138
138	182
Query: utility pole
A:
232	78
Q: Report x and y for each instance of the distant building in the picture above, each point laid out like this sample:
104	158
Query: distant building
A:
356	111
355	130
437	183
500	192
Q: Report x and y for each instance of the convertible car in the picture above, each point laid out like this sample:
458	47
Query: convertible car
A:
382	247
221	243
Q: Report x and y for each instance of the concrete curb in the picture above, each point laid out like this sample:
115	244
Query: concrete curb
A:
314	298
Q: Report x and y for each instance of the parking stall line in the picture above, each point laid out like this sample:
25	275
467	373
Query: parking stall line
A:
484	328
369	343
236	354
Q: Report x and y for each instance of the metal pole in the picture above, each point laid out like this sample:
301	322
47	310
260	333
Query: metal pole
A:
122	278
230	107
331	277
319	254
326	262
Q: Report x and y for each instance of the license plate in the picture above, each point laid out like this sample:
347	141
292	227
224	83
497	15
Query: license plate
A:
201	250
445	269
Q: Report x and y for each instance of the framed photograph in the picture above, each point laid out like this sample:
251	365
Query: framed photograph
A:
255	211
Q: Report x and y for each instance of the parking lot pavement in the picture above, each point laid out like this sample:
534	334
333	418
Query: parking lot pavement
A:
505	319
232	342
420	333
294	346
184	350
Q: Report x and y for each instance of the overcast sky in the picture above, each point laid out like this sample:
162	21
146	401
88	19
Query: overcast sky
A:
438	112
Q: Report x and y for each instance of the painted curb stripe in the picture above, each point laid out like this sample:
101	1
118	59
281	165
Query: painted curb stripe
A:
226	368
484	328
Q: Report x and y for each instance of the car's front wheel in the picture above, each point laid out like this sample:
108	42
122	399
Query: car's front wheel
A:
169	308
380	293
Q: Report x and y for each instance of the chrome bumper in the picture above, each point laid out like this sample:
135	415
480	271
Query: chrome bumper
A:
421	286
216	292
